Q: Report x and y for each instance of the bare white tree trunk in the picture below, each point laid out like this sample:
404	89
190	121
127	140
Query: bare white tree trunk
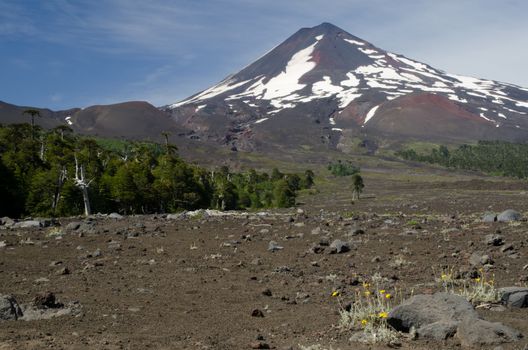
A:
60	182
80	181
42	148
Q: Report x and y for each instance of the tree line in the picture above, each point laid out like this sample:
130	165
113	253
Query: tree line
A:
58	173
493	157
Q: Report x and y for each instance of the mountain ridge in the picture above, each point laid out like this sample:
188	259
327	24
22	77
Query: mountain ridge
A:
327	65
320	88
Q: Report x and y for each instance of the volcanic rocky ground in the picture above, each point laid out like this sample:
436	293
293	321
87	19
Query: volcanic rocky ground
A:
195	282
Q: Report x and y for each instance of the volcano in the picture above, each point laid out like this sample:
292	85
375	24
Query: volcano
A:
323	84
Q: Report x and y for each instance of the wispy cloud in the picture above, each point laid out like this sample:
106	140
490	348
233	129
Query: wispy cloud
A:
165	50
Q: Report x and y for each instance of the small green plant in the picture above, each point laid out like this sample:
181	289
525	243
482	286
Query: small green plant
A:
343	169
413	223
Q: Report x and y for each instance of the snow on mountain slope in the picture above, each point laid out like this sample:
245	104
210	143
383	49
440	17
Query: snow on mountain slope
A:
325	63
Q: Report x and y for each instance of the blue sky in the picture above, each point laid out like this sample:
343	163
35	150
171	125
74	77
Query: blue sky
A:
75	53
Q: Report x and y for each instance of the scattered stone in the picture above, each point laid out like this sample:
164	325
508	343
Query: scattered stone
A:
115	216
282	269
73	226
9	308
324	242
339	246
516	297
494	240
356	231
257	313
63	271
257	344
304	297
27	224
274	246
46	300
316	231
478	258
509	215
317	249
176	216
267	292
7	222
474	332
489	217
113	245
42	280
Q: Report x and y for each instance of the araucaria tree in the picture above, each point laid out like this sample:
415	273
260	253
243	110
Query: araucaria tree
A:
78	175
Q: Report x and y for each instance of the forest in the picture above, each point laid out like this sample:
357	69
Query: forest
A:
493	157
58	173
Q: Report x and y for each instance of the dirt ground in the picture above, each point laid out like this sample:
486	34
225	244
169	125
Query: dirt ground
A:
147	282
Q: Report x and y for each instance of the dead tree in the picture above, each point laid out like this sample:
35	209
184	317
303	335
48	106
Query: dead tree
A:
83	184
63	175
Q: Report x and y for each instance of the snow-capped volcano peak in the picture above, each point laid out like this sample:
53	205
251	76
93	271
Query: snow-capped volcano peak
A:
325	63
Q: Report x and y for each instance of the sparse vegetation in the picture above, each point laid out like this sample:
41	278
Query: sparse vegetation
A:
368	314
479	290
341	168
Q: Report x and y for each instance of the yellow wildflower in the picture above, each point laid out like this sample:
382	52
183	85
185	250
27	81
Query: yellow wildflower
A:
477	280
335	293
382	291
367	293
364	322
383	314
388	296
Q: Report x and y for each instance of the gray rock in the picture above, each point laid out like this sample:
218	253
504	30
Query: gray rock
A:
87	227
494	240
440	330
509	215
274	246
316	231
46	222
338	246
115	216
356	231
489	217
73	226
478	258
34	313
422	310
45	300
9	309
474	332
176	216
7	222
514	296
27	224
